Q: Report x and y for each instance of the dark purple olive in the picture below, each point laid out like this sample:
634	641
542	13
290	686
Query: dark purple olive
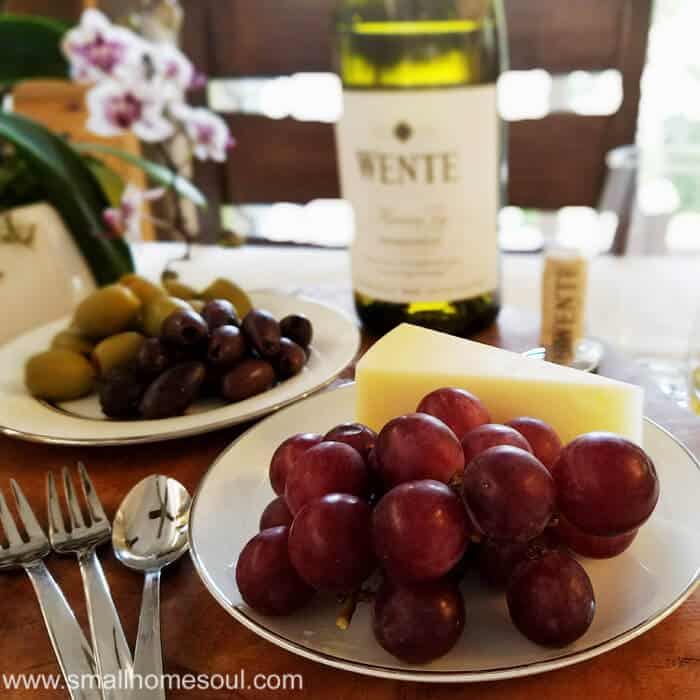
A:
227	347
211	386
262	332
220	312
120	393
174	391
249	378
193	353
290	360
154	357
184	328
297	328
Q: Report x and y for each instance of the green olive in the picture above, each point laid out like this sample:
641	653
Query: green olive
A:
59	375
225	289
117	351
107	311
197	304
73	341
157	310
180	290
144	289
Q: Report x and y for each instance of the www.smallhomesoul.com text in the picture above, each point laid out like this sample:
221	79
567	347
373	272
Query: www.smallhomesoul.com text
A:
168	681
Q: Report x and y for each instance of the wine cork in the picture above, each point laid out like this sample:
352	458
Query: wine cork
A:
563	304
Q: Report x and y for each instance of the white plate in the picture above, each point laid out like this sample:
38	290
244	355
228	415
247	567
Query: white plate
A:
336	342
634	592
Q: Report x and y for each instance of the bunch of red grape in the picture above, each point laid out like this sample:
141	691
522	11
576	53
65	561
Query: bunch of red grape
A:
410	501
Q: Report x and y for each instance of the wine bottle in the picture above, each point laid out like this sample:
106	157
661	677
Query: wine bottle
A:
420	153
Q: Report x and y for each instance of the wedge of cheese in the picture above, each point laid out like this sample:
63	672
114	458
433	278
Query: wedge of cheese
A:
410	362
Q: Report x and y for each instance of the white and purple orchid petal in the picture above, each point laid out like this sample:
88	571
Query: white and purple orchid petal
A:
172	71
125	220
199	81
97	49
115	109
209	133
153	127
113	219
154	194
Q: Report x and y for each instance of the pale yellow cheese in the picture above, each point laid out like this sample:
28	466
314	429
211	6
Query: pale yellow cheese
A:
410	362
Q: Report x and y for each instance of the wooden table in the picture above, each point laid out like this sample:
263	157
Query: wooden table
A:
199	637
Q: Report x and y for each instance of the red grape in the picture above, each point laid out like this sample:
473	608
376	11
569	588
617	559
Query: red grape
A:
551	599
509	494
418	623
330	543
498	560
491	435
458	572
417	446
456	408
277	513
266	578
286	456
419	531
589	545
606	485
542	438
330	467
356	435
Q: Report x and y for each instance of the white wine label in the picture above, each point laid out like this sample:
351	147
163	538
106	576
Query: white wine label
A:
421	169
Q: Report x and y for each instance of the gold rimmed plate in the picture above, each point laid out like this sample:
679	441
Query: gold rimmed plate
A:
634	591
336	343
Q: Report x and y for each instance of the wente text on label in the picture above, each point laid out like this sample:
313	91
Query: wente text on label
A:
419	168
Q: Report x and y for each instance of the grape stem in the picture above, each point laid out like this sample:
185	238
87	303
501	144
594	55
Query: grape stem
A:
349	606
347	612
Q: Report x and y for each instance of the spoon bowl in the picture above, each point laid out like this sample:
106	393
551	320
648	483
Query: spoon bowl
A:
150	531
150	527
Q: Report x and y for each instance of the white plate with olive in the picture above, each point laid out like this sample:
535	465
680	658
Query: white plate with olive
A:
248	387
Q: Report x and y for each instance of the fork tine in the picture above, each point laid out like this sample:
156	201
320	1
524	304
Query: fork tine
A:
74	513
8	523
91	498
56	524
26	514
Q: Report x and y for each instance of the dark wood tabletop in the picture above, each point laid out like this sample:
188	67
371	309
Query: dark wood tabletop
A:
200	638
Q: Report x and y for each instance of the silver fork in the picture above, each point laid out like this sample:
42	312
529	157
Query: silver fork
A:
112	652
72	650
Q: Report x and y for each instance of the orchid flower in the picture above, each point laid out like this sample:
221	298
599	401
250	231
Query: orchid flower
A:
209	134
139	87
97	49
114	109
173	72
125	220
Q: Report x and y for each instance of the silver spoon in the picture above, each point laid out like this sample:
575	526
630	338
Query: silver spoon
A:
150	532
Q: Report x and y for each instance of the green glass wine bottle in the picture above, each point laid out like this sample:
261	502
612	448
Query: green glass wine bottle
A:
420	148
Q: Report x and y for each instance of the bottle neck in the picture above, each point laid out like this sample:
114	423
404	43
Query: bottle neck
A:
351	11
399	44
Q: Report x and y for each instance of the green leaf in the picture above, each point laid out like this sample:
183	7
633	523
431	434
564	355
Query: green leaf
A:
158	173
73	190
112	183
30	48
